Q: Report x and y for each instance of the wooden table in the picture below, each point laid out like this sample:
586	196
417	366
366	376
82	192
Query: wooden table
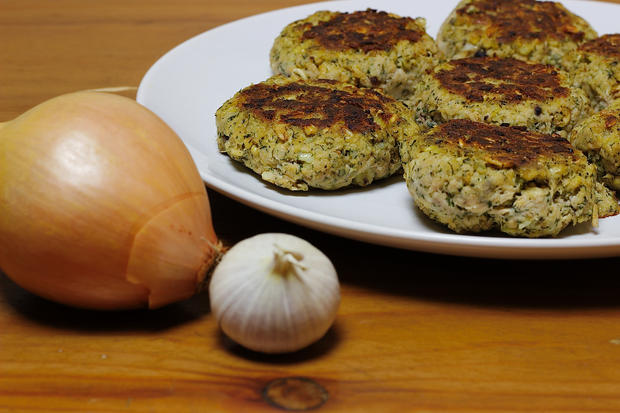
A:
415	332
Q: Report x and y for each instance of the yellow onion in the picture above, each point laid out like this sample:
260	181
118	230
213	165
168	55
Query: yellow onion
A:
101	205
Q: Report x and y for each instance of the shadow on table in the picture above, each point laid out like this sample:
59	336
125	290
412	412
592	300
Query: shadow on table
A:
62	317
328	342
539	284
59	316
527	284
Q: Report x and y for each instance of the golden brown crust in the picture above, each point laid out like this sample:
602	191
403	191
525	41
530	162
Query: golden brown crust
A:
316	104
606	45
525	19
511	79
363	30
504	147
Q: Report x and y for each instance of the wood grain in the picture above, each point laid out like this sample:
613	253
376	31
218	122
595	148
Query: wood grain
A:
415	332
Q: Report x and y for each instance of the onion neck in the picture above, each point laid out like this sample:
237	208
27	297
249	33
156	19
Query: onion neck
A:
213	256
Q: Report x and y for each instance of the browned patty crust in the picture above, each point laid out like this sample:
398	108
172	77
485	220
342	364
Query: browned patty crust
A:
509	20
501	91
315	105
607	45
363	30
512	79
502	147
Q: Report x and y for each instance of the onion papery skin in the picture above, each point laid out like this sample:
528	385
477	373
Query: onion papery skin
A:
101	205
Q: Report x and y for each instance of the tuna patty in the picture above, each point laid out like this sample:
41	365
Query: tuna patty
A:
537	31
316	133
500	91
595	67
474	177
599	138
365	48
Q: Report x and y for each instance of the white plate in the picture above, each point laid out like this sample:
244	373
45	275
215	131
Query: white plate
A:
187	85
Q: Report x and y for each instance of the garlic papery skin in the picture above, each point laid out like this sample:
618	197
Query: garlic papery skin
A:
274	293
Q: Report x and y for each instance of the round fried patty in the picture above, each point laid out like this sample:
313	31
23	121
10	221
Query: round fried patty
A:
474	177
598	136
537	31
595	67
316	133
365	48
500	91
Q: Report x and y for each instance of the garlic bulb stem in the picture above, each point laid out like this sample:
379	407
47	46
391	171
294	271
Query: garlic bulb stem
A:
287	262
274	299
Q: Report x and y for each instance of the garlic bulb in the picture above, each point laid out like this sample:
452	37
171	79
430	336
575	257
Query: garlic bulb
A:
274	293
